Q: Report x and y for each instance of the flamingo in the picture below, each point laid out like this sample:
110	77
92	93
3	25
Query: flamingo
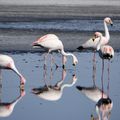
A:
51	42
6	109
92	43
105	52
53	93
6	62
93	93
104	106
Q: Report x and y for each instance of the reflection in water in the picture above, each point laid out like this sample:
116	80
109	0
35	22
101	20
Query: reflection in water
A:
54	92
103	103
6	108
93	93
103	108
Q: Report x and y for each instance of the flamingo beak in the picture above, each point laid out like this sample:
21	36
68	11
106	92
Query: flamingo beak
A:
73	64
93	38
35	44
111	24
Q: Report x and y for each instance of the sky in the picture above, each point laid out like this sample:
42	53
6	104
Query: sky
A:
58	2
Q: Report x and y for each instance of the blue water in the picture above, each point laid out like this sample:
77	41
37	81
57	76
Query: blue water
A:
61	25
72	105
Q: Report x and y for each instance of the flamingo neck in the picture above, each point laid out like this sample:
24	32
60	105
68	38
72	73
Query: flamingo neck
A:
67	54
107	35
99	43
18	73
15	102
98	113
67	85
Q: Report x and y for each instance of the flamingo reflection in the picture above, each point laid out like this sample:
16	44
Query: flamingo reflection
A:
6	108
103	108
103	103
93	93
54	92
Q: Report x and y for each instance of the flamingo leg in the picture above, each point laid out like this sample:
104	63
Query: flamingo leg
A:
53	61
45	60
102	76
64	60
45	76
108	87
94	68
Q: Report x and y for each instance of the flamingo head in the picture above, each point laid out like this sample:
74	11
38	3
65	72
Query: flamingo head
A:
74	78
108	21
36	44
22	80
75	60
97	34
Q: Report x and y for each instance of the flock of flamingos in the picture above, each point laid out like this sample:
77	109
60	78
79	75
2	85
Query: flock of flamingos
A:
51	42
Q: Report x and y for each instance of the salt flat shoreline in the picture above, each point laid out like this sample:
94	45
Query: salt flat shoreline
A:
36	13
20	41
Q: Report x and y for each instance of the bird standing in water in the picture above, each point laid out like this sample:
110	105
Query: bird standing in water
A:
51	42
6	62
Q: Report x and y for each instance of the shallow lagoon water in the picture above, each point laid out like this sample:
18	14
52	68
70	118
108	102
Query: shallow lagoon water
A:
72	104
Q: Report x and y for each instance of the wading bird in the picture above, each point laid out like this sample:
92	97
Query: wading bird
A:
105	52
92	43
6	62
51	42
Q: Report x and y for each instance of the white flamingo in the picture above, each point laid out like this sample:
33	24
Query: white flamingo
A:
53	93
6	109
6	62
105	52
52	42
92	43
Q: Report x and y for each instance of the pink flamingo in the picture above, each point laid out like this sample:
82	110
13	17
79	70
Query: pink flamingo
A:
6	62
105	52
92	43
52	42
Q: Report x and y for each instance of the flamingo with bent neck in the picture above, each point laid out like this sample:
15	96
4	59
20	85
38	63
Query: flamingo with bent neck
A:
6	62
54	93
51	42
